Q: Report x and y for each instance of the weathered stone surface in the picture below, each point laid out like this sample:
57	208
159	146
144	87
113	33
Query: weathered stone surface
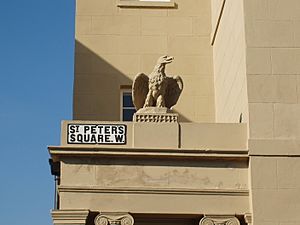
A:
157	89
154	110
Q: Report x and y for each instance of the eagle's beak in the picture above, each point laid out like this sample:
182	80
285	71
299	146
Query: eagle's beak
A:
169	59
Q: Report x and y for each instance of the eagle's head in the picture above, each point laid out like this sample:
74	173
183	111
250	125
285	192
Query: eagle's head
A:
163	60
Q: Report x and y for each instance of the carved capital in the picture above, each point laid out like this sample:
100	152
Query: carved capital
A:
219	220
114	219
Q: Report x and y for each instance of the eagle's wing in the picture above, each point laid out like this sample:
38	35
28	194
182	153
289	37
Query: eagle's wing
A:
140	90
173	91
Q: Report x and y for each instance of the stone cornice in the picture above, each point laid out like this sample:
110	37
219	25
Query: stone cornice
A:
174	191
93	151
70	216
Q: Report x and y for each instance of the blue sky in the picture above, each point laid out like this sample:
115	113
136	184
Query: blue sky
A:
36	81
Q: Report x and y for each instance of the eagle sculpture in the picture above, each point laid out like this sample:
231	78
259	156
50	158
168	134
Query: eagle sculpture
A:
157	89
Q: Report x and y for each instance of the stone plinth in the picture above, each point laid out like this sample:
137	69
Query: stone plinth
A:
155	115
156	127
156	135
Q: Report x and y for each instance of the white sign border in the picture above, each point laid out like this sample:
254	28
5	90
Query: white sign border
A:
89	124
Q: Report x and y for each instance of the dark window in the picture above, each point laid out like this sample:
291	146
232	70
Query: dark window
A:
127	100
127	106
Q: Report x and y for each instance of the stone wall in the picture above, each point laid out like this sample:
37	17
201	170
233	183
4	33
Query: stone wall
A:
228	39
273	41
114	43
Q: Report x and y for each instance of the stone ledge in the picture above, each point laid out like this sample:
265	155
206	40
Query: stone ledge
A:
145	4
58	152
177	191
71	216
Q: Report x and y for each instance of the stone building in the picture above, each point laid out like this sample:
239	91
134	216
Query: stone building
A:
232	155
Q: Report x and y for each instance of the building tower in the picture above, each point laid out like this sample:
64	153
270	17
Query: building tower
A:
231	156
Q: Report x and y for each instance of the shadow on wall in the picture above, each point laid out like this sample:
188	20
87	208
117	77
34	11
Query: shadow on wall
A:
181	117
199	163
96	94
98	85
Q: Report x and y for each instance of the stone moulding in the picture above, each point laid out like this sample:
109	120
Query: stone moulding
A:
174	191
156	118
145	4
58	152
71	217
219	220
114	219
